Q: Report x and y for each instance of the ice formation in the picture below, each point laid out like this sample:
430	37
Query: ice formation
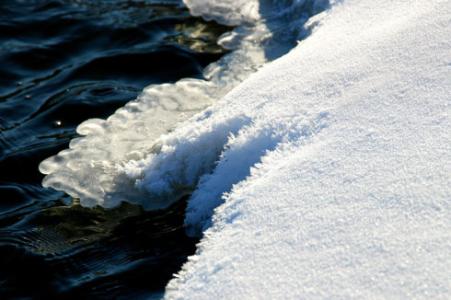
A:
92	168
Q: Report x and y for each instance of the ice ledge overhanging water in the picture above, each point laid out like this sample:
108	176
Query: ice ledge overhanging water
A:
108	164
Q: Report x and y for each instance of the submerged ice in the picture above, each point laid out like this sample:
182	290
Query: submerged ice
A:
108	164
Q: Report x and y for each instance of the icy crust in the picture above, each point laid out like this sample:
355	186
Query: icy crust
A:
228	12
92	168
336	183
240	12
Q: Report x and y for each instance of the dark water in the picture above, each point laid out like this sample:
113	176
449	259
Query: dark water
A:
62	62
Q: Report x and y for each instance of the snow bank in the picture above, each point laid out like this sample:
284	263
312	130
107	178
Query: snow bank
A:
91	169
330	168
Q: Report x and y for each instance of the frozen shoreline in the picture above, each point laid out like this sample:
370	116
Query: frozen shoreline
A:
326	174
92	169
329	168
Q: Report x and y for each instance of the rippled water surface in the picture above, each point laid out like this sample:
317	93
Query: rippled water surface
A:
62	62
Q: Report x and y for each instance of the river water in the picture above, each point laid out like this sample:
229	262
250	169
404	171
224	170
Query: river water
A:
62	62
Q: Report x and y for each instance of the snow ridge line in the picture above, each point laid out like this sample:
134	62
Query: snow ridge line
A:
210	157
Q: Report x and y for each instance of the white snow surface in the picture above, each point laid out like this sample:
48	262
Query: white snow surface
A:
328	172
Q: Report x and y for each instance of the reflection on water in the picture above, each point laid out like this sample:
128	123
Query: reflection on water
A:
73	252
62	62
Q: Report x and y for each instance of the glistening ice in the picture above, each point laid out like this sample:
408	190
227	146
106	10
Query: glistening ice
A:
92	169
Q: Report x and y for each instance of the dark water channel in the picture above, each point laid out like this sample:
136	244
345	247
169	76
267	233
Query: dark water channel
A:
62	62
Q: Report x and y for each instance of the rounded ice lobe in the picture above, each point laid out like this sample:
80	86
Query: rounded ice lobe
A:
110	163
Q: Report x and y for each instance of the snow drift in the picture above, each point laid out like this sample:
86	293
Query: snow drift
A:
329	168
